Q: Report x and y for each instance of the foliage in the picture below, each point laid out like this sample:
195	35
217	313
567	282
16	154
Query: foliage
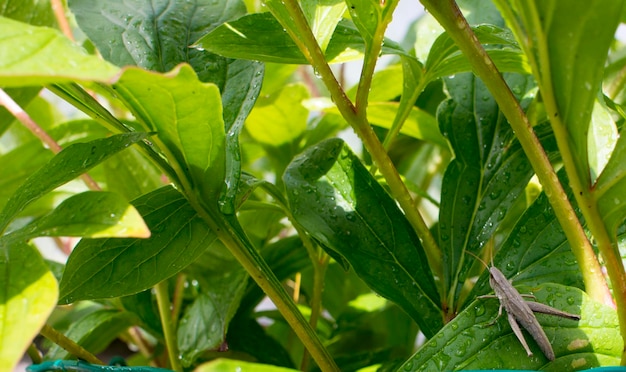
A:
202	164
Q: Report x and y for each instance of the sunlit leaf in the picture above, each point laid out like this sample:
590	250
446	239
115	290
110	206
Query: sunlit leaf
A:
261	37
28	294
70	163
187	116
102	268
89	214
221	365
31	55
281	118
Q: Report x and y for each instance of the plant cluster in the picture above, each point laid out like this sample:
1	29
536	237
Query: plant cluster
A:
201	163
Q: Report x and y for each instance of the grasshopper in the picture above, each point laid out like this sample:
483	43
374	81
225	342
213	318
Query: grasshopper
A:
521	312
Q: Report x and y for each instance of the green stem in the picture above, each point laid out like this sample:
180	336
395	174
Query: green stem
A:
451	18
169	332
303	36
34	354
69	345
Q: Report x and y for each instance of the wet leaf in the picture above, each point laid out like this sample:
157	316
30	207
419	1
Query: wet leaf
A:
470	342
70	163
103	268
338	202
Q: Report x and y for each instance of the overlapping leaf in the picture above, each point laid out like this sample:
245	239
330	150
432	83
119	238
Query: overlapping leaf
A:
31	55
95	331
338	202
28	294
187	116
470	342
101	268
89	214
70	163
489	171
261	37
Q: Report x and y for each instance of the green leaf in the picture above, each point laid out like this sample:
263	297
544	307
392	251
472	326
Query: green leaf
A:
366	15
535	251
419	124
570	59
243	86
481	184
281	118
205	323
130	174
446	59
28	294
31	55
89	214
338	202
261	37
70	163
22	96
470	342
323	16
187	116
156	35
102	268
95	331
224	365
611	187
34	12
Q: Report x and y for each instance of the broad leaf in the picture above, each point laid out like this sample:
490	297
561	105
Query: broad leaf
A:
34	12
338	202
535	251
28	294
281	118
88	214
102	268
70	163
187	116
205	323
481	184
611	188
323	16
261	37
446	59
156	35
22	96
31	55
95	331
570	59
470	342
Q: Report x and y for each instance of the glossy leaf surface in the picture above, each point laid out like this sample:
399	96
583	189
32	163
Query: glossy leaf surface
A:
488	173
156	35
337	201
28	294
102	268
470	342
70	163
187	116
570	59
34	12
31	55
222	365
89	214
261	37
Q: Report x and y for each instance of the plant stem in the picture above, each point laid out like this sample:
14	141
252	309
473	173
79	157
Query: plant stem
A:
303	36
34	354
163	302
23	117
451	18
69	345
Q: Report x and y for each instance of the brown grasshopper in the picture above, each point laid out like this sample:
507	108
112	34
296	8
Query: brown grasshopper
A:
520	311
